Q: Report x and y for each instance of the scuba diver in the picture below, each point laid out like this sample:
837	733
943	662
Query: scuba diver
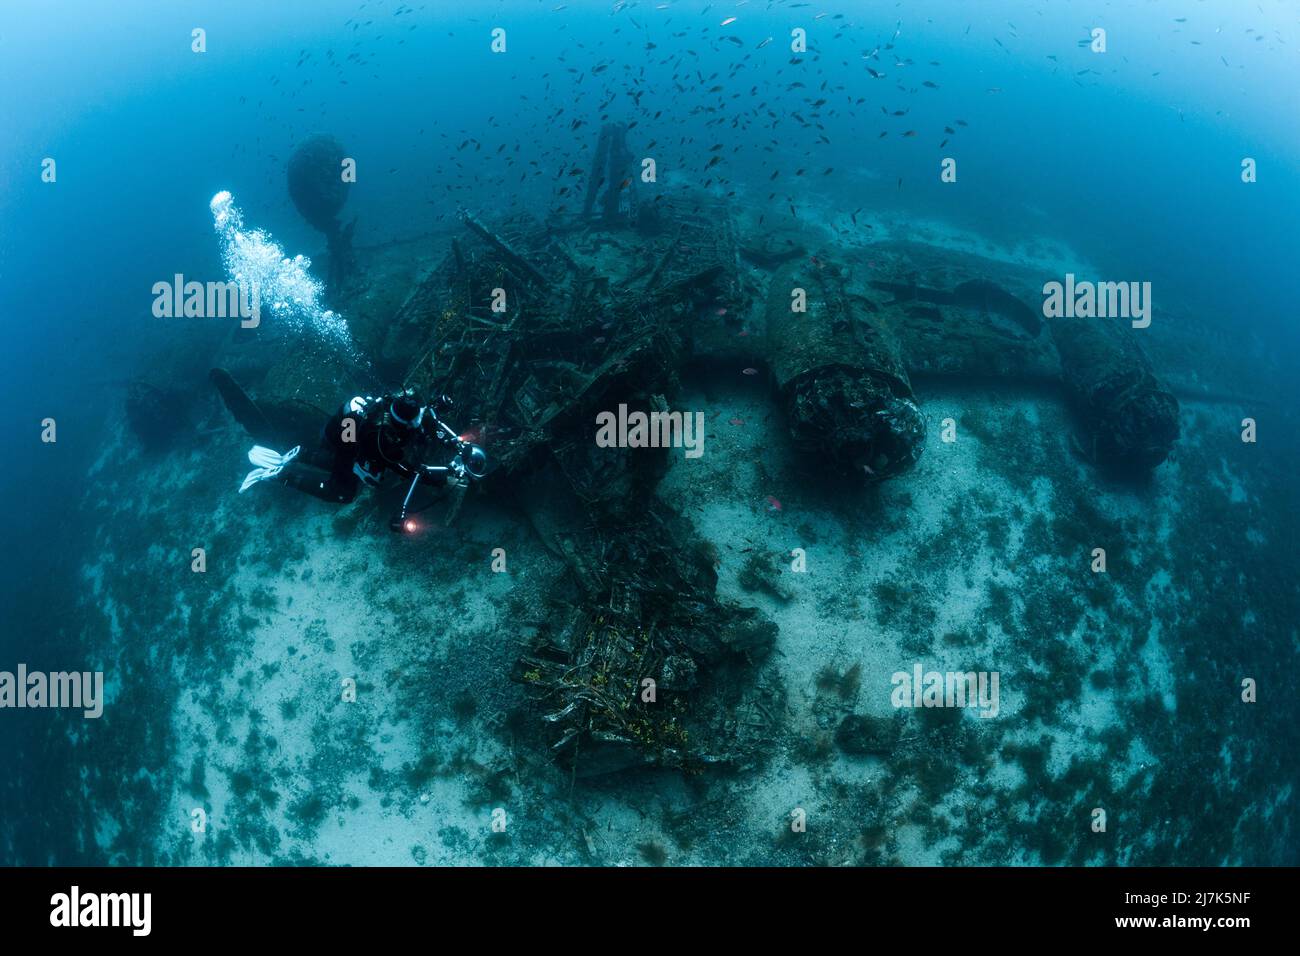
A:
367	437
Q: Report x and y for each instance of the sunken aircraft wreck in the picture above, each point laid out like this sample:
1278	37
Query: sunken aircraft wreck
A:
537	326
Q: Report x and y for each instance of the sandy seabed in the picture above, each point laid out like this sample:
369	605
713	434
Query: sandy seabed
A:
1119	691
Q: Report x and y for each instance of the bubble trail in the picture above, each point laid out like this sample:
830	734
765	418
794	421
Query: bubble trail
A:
285	285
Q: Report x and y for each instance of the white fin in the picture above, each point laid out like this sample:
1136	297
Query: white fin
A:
269	464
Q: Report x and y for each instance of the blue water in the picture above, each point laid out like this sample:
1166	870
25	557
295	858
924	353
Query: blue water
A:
1132	156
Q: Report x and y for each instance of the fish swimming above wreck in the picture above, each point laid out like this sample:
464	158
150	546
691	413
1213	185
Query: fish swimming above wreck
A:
538	327
651	434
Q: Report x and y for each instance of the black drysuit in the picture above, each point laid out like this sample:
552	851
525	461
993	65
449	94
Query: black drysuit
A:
336	470
358	443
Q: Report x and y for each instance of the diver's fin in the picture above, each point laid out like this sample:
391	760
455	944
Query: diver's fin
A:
269	464
242	407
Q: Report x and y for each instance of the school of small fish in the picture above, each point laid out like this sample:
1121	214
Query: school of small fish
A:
672	73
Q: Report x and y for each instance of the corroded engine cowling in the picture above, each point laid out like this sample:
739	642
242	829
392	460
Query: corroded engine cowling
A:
1130	418
842	382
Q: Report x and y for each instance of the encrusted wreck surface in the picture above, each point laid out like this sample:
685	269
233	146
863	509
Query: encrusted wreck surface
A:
638	666
956	314
839	374
534	331
1130	417
535	327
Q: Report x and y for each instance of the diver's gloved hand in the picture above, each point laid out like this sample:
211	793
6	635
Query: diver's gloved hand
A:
269	464
442	403
459	474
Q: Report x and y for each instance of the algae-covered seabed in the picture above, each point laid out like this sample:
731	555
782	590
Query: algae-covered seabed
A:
1118	690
